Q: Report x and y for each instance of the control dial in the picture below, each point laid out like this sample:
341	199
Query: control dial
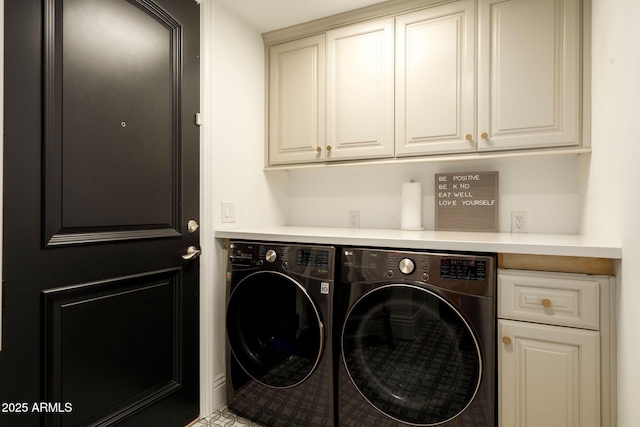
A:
407	266
271	255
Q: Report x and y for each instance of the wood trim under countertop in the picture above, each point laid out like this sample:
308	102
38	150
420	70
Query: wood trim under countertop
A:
564	264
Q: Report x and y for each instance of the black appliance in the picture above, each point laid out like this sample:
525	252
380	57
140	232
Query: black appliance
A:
417	339
279	334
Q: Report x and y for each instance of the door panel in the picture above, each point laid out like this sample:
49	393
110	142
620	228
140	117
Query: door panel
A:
405	349
112	93
274	329
548	375
360	91
435	84
528	74
296	101
128	368
101	170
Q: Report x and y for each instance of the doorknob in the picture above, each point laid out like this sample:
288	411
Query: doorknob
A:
192	253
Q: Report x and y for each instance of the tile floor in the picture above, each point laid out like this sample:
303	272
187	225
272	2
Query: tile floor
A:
224	417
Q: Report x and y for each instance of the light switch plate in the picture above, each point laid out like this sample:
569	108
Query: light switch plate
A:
228	211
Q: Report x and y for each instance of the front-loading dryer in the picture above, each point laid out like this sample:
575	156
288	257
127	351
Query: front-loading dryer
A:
417	339
279	338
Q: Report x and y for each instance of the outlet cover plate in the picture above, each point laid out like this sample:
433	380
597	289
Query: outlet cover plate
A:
518	222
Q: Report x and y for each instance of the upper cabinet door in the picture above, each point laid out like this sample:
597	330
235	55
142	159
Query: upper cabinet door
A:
529	74
296	101
360	91
435	80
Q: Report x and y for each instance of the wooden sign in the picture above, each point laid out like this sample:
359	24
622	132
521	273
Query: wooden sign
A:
467	201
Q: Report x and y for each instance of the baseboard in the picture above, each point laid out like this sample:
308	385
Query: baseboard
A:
219	397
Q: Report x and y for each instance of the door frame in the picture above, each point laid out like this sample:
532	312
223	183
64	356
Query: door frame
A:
212	394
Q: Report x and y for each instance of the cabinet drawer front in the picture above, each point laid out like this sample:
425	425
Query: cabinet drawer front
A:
551	299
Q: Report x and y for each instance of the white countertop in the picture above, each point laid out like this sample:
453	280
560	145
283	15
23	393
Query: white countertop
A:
517	243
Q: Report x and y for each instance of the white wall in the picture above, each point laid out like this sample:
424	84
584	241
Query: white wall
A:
611	197
233	159
546	188
238	120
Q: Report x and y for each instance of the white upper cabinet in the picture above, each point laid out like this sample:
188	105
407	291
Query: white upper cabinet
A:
297	101
360	91
435	80
529	74
429	78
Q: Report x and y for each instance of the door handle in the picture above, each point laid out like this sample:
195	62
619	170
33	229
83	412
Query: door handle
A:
192	253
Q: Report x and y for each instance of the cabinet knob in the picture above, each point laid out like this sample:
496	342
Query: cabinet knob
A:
328	148
546	303
506	340
469	137
319	149
485	135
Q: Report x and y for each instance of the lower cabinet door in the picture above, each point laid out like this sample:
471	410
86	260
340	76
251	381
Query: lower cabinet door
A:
549	376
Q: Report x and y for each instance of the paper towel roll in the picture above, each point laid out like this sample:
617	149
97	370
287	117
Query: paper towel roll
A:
411	213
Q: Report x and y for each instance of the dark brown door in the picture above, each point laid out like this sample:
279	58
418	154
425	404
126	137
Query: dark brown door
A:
101	175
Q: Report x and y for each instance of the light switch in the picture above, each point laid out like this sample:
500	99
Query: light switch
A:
228	211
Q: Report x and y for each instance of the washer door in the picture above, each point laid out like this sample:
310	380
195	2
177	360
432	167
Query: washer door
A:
274	329
411	354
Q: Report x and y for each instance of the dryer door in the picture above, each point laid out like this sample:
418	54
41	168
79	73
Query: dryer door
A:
411	354
274	329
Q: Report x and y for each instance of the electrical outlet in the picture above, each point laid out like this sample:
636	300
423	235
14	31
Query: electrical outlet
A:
354	219
518	222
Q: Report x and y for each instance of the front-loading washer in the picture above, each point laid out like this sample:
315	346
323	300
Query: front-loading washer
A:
279	336
416	335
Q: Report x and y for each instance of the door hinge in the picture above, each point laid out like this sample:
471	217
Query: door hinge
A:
199	119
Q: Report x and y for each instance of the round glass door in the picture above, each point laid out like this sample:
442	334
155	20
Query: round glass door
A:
411	354
274	329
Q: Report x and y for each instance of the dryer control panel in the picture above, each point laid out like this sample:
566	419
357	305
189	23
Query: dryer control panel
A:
469	273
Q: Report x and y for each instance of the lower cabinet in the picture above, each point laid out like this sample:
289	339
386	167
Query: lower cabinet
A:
548	375
556	350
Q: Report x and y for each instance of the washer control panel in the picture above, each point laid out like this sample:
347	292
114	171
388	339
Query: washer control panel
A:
314	261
